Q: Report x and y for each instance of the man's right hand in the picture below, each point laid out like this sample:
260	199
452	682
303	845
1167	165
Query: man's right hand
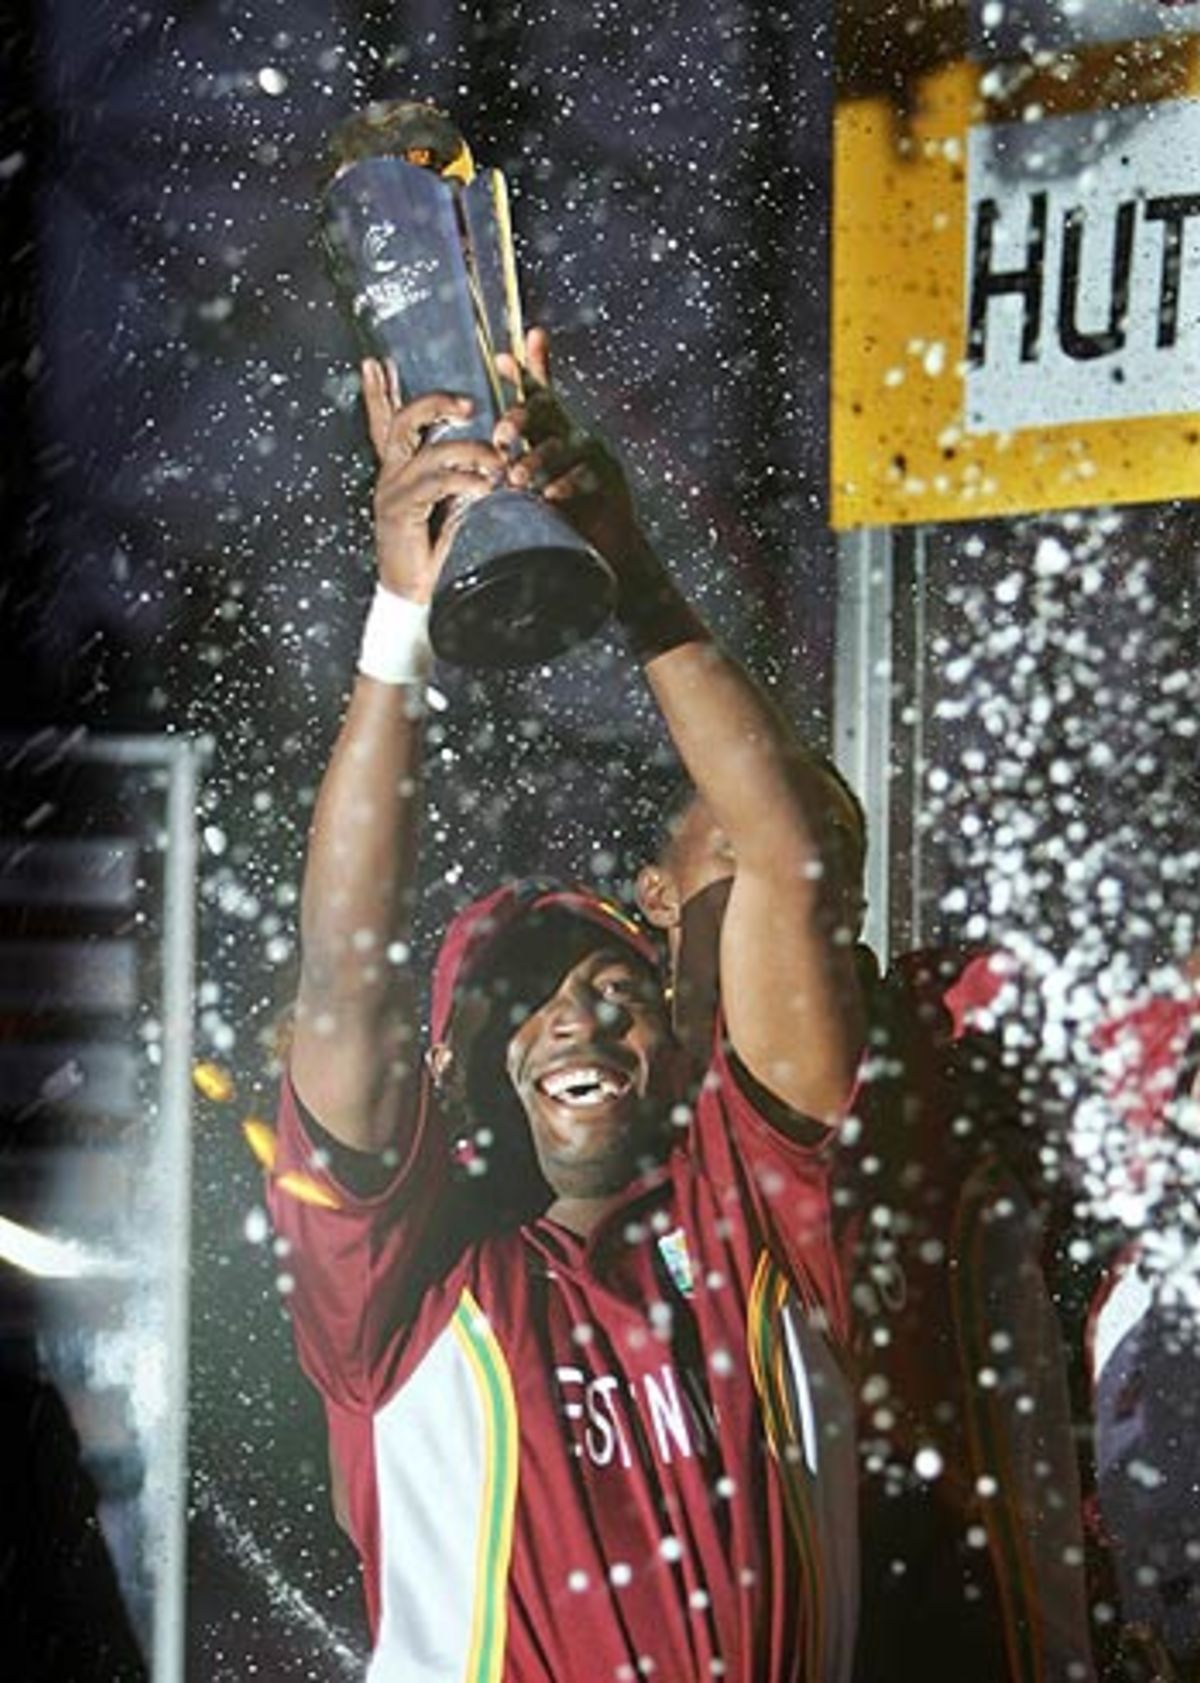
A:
416	476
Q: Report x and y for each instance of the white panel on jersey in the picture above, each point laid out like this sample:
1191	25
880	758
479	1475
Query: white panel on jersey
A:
430	1470
823	1403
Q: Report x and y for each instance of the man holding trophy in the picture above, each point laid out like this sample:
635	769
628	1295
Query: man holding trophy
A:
576	1317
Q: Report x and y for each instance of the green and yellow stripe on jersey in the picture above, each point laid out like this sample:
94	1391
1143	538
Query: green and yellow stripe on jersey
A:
777	1368
489	1627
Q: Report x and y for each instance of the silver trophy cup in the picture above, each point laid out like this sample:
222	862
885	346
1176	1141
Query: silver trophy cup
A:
422	248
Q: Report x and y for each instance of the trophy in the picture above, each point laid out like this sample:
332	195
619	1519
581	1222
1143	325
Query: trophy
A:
422	248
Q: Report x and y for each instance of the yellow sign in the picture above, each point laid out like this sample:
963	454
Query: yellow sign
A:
1017	289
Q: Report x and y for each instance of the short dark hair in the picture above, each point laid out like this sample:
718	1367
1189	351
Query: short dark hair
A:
837	776
682	792
679	797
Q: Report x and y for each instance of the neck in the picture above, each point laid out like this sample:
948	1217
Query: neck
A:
695	964
583	1215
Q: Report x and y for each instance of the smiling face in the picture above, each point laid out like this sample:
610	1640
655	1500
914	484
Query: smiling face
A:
594	1067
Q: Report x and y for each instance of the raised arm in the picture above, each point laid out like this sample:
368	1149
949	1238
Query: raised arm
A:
787	978
354	1051
788	985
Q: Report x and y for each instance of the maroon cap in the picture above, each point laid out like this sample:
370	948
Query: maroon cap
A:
474	932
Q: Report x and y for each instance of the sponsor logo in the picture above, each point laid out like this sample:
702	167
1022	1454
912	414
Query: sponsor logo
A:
403	289
614	1420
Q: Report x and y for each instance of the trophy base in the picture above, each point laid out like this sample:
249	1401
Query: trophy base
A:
519	586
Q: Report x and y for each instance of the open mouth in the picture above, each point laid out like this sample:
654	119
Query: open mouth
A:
583	1085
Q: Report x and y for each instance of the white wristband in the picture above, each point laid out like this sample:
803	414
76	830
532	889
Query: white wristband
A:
395	643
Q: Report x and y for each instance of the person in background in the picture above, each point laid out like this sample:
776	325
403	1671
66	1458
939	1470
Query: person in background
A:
1142	1357
971	1498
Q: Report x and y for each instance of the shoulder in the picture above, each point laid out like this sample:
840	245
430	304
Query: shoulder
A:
729	1088
745	1141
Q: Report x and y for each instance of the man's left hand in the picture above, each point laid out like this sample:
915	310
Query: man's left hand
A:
576	472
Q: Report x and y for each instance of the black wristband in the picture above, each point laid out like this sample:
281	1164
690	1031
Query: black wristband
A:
656	616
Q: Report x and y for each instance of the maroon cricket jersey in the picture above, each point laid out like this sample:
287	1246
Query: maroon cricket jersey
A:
592	1461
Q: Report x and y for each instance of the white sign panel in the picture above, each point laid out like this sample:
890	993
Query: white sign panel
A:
1083	268
1005	28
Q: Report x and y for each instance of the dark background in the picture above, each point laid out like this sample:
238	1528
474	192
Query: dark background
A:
185	488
